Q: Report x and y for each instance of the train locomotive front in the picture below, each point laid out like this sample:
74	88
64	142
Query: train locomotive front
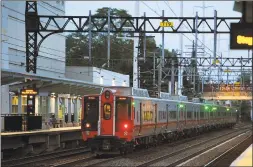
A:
107	126
119	119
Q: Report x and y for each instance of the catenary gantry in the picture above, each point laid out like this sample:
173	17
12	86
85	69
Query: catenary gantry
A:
38	25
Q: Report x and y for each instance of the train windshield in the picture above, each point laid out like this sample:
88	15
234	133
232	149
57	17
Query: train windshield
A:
123	111
91	111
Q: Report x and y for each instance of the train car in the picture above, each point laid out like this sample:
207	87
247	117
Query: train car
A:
121	118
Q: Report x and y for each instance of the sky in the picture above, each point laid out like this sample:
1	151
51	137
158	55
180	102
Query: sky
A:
153	8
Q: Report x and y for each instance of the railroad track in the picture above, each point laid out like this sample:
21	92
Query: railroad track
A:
43	157
227	157
192	147
68	158
91	161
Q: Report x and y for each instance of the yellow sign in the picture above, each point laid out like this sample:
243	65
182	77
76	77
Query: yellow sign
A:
148	115
60	111
29	92
227	71
216	61
166	24
244	40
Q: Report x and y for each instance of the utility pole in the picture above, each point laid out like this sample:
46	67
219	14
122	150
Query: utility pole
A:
215	44
227	75
135	51
172	77
144	41
162	43
159	74
154	69
203	25
180	73
195	50
108	40
90	37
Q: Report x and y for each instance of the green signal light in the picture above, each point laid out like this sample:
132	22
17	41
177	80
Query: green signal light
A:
206	107
227	109
133	103
214	108
181	105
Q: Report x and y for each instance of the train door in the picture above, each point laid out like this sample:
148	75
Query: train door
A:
107	116
156	117
167	116
140	118
181	115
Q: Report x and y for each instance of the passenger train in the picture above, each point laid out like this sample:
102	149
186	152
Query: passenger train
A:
121	118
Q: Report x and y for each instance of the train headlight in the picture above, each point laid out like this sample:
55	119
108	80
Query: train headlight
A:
125	126
87	125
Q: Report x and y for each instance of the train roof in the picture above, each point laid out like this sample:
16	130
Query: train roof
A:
143	93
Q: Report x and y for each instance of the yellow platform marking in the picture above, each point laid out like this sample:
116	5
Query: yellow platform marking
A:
41	131
245	159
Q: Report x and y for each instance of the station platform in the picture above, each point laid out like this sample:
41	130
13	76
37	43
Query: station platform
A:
18	144
245	159
52	130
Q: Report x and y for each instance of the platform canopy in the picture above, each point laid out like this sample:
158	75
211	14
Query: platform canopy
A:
47	85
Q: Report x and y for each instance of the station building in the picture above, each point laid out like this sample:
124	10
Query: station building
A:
60	87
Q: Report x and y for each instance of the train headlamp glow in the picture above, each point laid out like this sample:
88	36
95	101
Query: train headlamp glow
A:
87	125
125	126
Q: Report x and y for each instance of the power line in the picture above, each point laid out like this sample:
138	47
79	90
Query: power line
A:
188	28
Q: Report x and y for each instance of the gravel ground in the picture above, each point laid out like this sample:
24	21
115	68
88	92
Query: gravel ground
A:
61	160
154	153
43	158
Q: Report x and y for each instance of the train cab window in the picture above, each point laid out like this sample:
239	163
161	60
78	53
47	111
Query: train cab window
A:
123	109
107	111
91	111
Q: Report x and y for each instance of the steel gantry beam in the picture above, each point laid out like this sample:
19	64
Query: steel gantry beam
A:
185	62
39	24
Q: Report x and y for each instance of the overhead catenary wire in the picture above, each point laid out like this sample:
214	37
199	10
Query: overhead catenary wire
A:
178	18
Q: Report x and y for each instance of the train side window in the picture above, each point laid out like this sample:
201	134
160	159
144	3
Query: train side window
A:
107	111
201	114
173	115
189	115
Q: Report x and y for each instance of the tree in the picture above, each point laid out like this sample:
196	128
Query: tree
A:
121	50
